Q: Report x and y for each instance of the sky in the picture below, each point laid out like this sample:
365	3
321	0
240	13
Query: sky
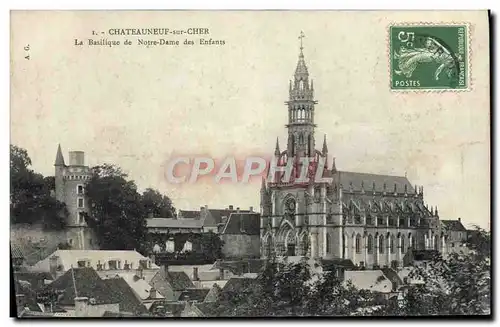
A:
138	106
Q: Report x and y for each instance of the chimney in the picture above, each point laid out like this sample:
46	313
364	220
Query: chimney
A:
81	307
459	219
53	265
201	208
164	270
221	274
195	273
231	207
251	209
152	293
238	209
206	206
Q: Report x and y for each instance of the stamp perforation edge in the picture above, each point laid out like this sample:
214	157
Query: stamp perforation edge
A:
468	41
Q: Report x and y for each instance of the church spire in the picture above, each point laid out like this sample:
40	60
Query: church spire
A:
301	72
277	150
325	148
334	168
59	157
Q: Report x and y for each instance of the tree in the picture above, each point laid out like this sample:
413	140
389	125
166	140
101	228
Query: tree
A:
294	289
459	284
156	204
211	246
116	210
31	201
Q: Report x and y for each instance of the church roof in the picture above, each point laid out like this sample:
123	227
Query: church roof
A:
365	180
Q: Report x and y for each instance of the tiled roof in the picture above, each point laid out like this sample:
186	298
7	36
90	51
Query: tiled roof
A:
194	294
25	297
454	225
240	267
167	307
69	258
34	314
129	302
208	309
173	223
189	214
242	223
179	280
357	180
217	214
141	288
31	252
237	285
35	279
111	314
16	251
88	284
329	264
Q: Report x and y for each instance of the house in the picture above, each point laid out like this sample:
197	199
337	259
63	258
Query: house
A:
35	280
170	283
128	300
26	298
141	288
238	267
369	280
241	235
163	308
188	214
201	310
238	285
83	292
456	235
104	262
193	295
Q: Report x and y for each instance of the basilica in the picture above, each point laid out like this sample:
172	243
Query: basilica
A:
372	220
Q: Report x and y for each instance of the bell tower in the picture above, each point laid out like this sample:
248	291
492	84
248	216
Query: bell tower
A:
301	111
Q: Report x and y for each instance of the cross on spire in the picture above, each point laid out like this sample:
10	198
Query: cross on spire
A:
301	36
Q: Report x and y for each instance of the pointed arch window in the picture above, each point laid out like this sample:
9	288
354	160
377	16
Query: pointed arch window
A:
381	244
403	249
358	243
301	138
301	85
393	247
370	244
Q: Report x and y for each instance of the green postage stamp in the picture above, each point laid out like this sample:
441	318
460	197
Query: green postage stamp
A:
429	57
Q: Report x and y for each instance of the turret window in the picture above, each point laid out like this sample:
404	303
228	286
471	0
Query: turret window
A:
80	190
81	217
81	203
